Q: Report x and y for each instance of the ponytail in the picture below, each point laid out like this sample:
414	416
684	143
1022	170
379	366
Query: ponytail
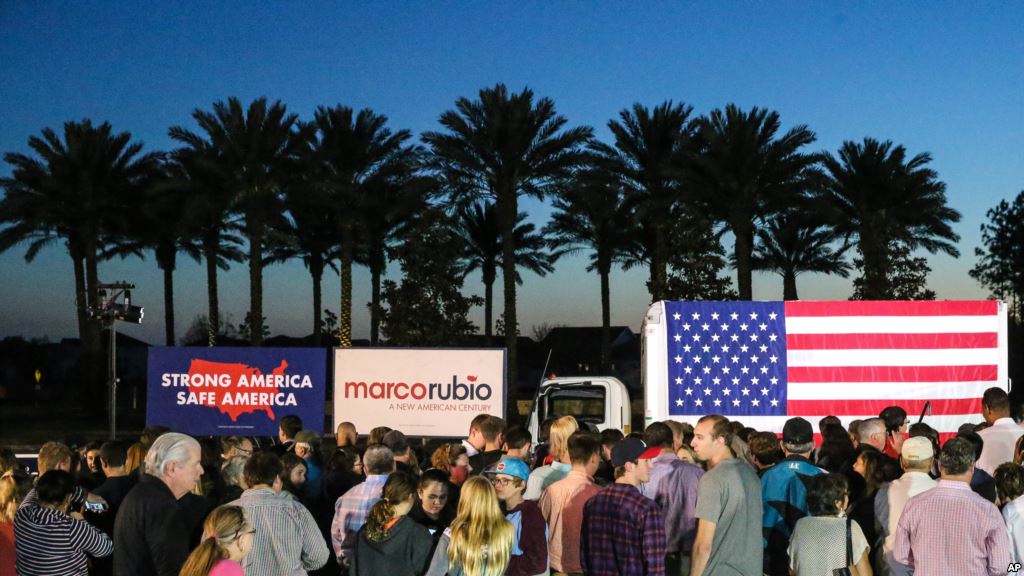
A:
223	527
400	486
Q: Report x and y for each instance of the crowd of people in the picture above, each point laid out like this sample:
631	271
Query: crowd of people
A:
879	496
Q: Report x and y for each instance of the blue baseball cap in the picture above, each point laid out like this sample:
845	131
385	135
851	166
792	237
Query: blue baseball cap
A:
511	466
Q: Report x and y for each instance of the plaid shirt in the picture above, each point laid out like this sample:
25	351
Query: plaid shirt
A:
950	530
286	541
623	534
351	510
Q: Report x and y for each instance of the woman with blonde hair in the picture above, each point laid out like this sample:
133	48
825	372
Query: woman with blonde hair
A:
558	449
227	538
479	541
390	542
14	486
134	459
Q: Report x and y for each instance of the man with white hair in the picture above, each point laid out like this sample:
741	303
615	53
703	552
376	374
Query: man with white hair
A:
150	532
916	457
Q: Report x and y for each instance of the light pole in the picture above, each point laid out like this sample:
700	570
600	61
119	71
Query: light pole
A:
107	313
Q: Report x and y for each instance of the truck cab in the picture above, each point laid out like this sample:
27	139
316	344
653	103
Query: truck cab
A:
601	401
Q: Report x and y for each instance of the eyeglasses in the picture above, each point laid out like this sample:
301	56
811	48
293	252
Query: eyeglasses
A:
502	481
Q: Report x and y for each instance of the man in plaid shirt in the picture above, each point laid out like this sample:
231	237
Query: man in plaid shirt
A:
624	531
353	507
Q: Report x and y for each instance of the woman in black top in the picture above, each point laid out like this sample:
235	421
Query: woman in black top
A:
435	505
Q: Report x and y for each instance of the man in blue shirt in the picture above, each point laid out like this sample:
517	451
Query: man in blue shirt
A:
785	494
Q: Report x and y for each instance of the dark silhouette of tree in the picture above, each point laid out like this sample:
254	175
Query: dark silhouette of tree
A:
746	171
195	171
388	203
352	151
651	154
794	242
506	145
886	200
426	307
162	225
77	190
1000	266
256	149
592	215
906	277
696	261
312	232
483	248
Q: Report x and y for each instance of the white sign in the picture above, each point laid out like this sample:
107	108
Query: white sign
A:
420	391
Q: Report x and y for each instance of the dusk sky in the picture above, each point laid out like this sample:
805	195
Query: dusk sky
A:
939	77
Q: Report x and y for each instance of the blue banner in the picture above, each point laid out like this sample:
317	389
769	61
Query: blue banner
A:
228	391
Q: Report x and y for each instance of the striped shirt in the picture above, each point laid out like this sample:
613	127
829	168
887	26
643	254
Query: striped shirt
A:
51	543
351	510
951	531
286	541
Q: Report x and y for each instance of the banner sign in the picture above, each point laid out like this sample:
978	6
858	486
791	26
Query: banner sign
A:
227	391
422	392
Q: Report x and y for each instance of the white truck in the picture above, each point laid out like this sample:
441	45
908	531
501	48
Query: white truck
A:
762	362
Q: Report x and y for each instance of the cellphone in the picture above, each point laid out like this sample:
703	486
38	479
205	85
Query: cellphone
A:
95	506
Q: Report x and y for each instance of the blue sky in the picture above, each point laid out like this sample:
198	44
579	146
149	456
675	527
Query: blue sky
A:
942	77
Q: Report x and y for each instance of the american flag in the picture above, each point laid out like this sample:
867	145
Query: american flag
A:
764	362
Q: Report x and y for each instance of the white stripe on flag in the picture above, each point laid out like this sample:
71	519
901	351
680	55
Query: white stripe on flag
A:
942	423
889	324
894	390
927	357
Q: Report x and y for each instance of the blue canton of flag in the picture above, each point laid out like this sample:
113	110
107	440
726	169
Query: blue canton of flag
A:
726	358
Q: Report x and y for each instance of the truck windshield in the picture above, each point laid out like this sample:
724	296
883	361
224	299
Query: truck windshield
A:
584	405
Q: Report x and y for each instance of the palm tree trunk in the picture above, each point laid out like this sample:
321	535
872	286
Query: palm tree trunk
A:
875	263
345	314
789	285
255	232
316	270
375	273
507	210
213	320
165	261
490	273
606	321
81	301
488	308
744	246
91	343
658	264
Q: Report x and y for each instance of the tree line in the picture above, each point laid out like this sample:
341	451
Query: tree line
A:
257	184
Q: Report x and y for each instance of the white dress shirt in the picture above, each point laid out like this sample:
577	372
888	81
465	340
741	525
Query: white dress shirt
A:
1000	439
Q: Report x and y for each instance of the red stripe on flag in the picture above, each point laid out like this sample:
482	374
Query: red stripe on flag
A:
943	436
893	373
860	407
891	341
892	308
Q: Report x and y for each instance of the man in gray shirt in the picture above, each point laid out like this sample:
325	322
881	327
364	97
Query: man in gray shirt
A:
729	539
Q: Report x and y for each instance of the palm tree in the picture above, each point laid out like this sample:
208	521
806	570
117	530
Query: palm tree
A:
745	171
881	197
351	150
256	148
163	226
504	146
195	171
650	156
387	206
314	237
77	190
794	242
593	215
483	249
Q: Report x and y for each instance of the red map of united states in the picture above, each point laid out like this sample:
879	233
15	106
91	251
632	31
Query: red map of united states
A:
236	371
